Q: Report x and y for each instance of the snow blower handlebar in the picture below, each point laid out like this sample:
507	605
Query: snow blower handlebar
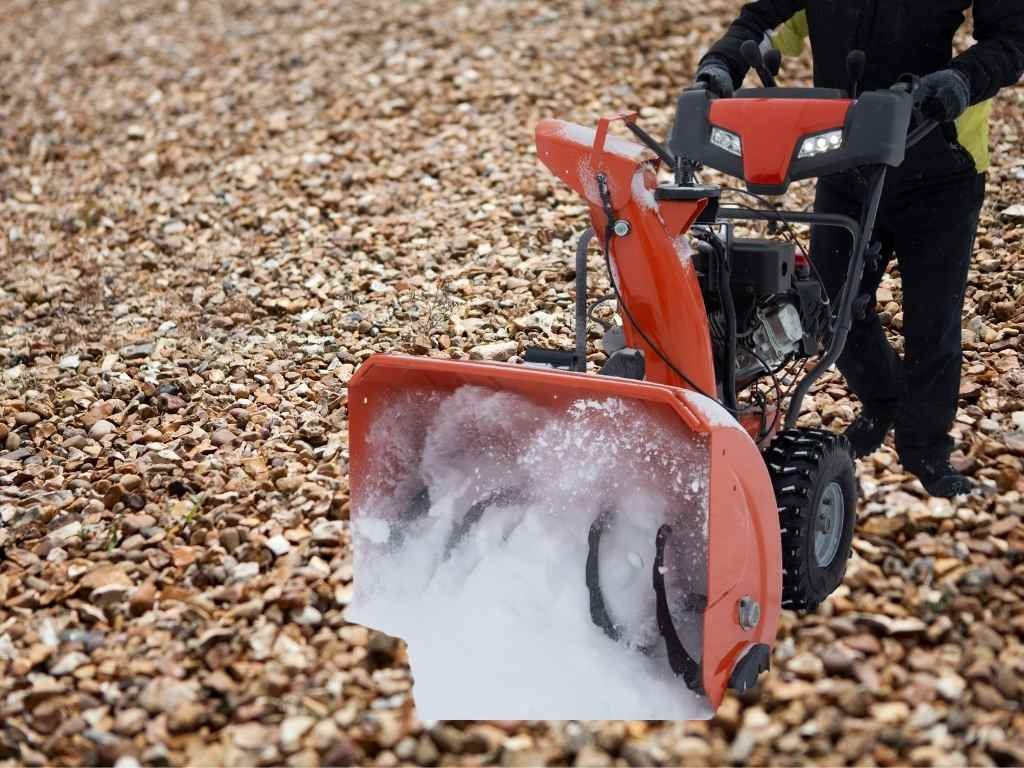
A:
891	109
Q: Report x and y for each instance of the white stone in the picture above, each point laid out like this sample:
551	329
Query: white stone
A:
950	687
293	729
1015	212
100	429
499	351
246	571
69	663
68	532
278	545
327	532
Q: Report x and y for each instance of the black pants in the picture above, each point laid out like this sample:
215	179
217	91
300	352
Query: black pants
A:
928	218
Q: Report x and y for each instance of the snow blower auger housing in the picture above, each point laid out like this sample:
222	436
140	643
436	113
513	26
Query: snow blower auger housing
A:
707	518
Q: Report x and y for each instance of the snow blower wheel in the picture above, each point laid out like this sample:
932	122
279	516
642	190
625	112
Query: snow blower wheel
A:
813	475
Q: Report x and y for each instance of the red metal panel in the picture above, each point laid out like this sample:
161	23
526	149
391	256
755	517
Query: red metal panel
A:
656	278
384	373
770	129
744	556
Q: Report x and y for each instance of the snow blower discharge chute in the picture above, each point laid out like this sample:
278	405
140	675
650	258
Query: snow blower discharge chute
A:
556	544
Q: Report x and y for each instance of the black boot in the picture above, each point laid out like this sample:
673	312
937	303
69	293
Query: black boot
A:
867	433
939	478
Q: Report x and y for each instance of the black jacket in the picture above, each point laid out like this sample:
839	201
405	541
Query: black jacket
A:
898	37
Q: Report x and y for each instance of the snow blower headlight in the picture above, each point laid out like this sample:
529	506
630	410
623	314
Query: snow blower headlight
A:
726	140
820	144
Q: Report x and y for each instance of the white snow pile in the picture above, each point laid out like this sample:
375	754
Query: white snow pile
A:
472	546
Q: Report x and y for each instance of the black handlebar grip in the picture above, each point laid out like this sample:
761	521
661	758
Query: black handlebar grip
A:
856	62
752	54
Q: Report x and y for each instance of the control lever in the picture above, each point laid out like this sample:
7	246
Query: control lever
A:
752	55
856	61
907	85
773	61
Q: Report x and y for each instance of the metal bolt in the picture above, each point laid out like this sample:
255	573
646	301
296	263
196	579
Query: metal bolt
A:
621	228
749	612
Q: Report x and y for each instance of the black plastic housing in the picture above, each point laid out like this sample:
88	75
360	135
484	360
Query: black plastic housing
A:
759	267
766	266
875	133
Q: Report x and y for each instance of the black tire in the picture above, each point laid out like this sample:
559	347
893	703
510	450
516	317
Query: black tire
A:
812	471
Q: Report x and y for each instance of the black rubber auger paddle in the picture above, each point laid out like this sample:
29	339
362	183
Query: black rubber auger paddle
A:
598	610
499	498
681	662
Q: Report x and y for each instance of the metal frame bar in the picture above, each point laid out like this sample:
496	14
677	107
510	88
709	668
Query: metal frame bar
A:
862	233
581	299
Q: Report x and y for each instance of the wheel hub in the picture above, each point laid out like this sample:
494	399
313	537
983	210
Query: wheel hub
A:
828	524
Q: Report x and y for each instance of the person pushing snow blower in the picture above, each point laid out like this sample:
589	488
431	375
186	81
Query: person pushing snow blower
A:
930	206
686	507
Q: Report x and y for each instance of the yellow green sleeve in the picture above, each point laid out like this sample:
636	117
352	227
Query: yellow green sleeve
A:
972	132
790	37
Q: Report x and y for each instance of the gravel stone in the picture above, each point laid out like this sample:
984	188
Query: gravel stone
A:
26	418
218	211
101	429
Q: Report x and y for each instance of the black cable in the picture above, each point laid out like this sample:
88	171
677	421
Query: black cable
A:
788	230
778	394
724	273
644	336
609	233
792	236
661	151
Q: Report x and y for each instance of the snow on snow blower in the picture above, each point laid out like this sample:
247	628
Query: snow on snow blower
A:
555	544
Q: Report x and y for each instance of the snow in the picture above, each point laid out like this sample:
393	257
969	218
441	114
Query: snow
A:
683	249
643	195
613	144
588	181
713	412
500	628
376	530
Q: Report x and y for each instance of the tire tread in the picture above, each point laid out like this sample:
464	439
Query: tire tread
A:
795	458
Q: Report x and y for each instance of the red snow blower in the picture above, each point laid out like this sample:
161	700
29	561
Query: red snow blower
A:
763	511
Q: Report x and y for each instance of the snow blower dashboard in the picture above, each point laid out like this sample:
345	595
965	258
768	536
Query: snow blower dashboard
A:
771	137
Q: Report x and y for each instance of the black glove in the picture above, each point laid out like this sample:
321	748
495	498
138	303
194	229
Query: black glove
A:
715	76
943	96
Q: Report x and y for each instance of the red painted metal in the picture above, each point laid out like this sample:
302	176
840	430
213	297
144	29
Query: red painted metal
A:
655	276
770	130
744	557
659	285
